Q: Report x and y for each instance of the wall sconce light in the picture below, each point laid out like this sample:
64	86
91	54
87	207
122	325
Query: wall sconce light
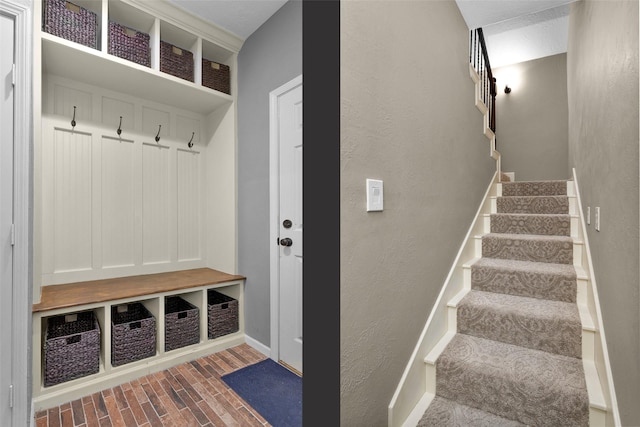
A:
507	89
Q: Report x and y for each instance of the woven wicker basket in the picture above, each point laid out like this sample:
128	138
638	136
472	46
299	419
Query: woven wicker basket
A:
71	347
129	44
71	22
181	323
175	61
223	314
216	76
133	333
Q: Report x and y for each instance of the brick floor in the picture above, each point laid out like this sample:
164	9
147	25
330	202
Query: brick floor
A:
191	394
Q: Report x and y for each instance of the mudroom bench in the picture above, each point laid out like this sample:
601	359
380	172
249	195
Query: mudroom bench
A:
203	290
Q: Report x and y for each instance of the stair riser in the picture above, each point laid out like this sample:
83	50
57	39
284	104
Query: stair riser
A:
525	284
528	224
528	250
548	188
533	205
537	333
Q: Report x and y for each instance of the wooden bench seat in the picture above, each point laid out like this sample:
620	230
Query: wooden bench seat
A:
96	291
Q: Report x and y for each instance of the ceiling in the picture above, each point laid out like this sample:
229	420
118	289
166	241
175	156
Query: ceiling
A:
240	17
519	30
515	30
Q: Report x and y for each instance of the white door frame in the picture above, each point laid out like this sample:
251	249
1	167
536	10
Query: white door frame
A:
274	209
21	11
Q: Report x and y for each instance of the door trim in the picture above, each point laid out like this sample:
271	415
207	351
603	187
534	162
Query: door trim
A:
21	12
274	207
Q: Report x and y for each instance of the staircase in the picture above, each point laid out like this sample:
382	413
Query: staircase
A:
517	355
520	342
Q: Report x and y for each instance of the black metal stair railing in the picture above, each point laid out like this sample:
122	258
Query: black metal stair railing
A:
479	59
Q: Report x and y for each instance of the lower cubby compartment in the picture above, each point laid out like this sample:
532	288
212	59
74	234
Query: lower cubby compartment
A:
181	323
133	333
222	314
71	347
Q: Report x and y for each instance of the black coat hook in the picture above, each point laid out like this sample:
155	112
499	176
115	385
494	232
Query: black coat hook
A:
119	131
190	143
158	134
73	120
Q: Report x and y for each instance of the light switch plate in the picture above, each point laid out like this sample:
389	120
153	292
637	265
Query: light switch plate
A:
597	218
375	195
588	215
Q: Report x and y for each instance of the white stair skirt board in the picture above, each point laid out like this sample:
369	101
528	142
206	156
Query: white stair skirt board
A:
412	385
605	411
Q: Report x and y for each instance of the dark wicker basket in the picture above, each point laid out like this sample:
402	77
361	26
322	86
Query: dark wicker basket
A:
71	347
71	22
129	44
133	333
181	323
216	76
176	61
223	314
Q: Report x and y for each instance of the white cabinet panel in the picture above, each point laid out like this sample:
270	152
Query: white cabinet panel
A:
65	98
188	201
155	204
151	119
118	202
71	209
186	127
112	110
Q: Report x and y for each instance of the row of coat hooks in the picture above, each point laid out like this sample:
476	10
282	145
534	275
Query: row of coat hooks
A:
119	130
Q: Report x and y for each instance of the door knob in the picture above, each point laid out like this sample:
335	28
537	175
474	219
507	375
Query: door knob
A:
286	242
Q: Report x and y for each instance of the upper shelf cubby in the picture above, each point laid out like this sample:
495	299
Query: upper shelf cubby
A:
162	22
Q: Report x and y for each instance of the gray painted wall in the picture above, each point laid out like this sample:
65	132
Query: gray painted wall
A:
269	58
531	121
408	118
602	64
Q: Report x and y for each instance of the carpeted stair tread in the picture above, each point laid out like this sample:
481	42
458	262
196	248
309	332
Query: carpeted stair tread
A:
534	188
533	204
531	386
447	413
542	224
525	278
551	326
526	247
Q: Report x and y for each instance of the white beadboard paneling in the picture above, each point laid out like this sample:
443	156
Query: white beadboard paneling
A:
188	204
64	100
118	202
185	127
151	118
71	207
155	204
112	109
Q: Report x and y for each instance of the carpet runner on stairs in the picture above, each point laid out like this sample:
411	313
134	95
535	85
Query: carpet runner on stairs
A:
516	356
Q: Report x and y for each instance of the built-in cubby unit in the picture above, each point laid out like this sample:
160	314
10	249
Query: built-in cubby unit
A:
134	177
149	290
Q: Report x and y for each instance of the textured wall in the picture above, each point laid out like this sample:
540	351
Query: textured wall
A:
269	58
602	65
531	121
408	118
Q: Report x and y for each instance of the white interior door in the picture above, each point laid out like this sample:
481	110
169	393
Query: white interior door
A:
289	137
6	212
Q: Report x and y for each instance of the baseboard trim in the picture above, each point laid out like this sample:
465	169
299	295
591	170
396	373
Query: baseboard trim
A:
258	345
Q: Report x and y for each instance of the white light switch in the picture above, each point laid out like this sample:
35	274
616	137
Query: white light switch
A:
374	195
597	218
588	215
